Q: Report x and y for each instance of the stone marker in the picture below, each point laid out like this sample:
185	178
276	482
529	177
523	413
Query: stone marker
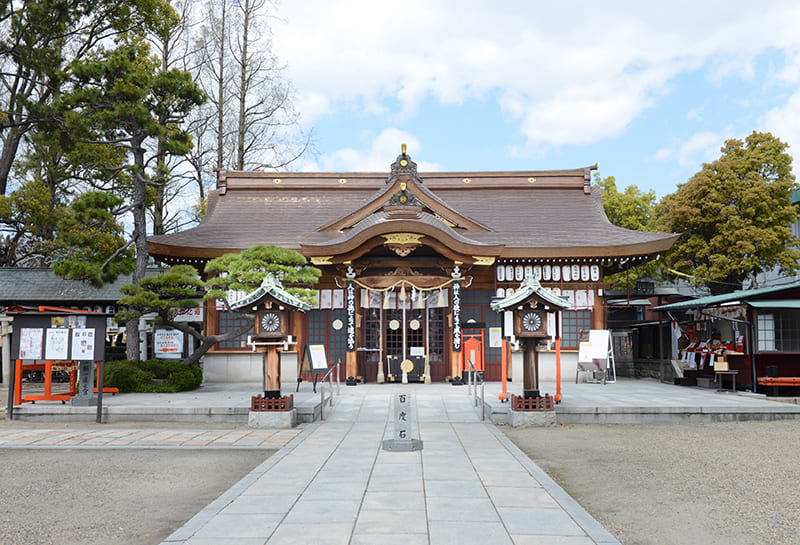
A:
403	425
85	397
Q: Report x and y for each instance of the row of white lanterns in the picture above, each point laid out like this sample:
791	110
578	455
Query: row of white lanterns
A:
549	273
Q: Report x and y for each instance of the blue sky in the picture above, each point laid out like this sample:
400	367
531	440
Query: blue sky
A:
648	91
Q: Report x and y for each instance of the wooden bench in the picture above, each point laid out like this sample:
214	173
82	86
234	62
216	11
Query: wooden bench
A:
779	381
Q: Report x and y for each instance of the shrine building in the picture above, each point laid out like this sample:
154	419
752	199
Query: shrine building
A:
418	258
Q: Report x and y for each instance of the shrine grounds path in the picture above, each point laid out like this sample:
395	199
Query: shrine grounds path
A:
681	483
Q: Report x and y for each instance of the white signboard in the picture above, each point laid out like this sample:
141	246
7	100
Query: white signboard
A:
57	345
82	344
596	348
168	343
30	343
188	314
495	337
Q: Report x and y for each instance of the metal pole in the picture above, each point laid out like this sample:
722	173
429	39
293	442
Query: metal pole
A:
752	357
101	369
11	387
558	357
504	369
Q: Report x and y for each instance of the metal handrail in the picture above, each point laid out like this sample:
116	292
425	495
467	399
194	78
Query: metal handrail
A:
472	372
327	377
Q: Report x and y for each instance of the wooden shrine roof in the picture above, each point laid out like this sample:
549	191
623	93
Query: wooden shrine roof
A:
532	214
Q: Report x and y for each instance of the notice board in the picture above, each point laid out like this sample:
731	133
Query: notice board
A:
314	359
594	345
39	336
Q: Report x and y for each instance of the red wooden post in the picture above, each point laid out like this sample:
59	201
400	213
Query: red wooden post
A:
504	369
48	378
18	384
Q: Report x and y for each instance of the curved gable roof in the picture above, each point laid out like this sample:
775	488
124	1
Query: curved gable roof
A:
530	214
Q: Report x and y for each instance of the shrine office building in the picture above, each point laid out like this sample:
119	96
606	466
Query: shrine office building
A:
426	253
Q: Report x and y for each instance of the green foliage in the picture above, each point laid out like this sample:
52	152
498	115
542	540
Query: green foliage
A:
91	241
735	215
179	287
151	376
125	375
38	41
631	209
28	217
245	271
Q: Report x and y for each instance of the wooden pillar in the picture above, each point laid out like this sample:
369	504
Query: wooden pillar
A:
456	365
598	315
272	372
530	368
352	364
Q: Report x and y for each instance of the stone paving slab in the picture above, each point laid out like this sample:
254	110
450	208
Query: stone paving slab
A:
17	436
334	484
331	482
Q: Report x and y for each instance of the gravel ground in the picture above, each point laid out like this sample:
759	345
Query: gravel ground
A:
684	484
97	497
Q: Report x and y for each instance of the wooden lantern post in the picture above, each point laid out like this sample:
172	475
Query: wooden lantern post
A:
272	305
531	304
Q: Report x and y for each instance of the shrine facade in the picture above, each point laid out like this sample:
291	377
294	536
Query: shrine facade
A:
411	261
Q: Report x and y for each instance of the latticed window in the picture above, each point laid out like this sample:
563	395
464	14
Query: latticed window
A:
372	333
572	323
232	321
327	327
436	333
779	331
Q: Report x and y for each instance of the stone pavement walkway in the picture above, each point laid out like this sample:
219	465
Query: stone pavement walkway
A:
334	484
24	437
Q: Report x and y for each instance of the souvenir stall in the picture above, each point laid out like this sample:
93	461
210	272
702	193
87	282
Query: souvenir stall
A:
746	339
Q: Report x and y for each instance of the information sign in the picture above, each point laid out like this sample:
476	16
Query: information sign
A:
495	337
30	343
168	343
57	344
83	344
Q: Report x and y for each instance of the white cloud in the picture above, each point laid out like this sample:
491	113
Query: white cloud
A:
373	157
784	123
701	147
663	154
695	114
570	73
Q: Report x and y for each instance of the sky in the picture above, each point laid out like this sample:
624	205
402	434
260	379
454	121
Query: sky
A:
646	90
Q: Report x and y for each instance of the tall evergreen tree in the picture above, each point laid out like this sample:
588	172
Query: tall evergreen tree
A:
121	99
38	40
